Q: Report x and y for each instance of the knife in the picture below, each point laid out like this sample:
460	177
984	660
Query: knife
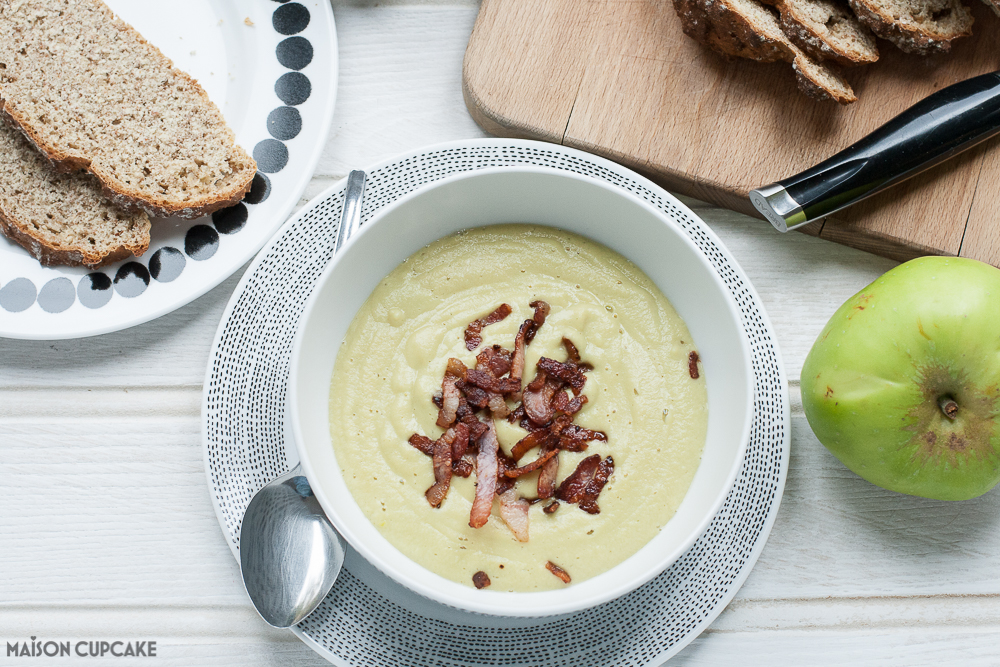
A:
944	124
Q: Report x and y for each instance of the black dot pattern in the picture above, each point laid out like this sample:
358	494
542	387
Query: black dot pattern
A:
94	290
131	280
260	189
294	52
271	156
166	264
290	19
230	220
201	242
293	88
284	123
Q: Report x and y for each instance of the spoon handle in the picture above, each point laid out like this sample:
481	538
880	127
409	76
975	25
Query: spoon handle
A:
351	219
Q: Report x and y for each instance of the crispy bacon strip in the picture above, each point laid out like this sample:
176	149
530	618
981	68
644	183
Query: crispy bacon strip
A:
520	342
558	571
574	438
449	401
477	397
423	443
495	359
531	467
459	441
514	512
486	380
547	478
573	356
456	367
516	414
463	467
538	403
604	470
481	580
473	337
486	477
693	365
561	402
442	473
498	406
568	373
551	507
529	442
537	320
504	463
574	486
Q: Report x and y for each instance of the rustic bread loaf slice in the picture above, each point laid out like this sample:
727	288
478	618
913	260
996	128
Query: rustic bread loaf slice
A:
916	26
748	29
994	5
828	30
91	93
62	218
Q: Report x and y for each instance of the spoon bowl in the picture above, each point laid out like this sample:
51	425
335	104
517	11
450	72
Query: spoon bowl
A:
290	554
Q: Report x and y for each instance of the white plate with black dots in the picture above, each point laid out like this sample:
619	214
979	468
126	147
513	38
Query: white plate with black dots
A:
271	67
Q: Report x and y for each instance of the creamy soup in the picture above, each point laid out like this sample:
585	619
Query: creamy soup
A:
640	393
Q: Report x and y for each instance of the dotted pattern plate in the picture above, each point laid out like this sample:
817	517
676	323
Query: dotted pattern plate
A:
271	67
369	620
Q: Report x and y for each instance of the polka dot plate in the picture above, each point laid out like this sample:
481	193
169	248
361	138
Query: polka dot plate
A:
368	620
271	67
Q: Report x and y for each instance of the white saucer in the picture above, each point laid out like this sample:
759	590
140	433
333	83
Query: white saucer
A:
370	620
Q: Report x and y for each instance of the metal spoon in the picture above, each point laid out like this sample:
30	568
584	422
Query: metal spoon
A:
290	554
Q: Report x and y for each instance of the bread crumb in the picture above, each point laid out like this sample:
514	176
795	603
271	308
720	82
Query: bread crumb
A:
248	22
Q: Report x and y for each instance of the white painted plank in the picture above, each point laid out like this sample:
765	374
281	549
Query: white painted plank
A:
113	482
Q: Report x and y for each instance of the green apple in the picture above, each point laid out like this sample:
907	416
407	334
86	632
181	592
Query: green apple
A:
902	384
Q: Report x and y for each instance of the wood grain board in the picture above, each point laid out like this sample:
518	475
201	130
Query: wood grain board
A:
620	79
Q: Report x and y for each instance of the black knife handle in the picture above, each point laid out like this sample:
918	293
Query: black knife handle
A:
931	131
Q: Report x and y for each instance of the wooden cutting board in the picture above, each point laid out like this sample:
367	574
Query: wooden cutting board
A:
619	78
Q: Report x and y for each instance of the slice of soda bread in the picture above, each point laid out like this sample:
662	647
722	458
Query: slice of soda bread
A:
92	94
748	29
916	26
62	218
828	30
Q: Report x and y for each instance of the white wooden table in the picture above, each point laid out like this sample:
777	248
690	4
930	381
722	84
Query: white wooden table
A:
107	530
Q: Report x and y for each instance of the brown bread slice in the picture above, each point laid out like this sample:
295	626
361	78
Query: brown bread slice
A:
91	93
994	5
916	26
747	29
828	30
62	218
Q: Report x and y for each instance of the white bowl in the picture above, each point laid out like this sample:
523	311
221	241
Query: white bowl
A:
604	213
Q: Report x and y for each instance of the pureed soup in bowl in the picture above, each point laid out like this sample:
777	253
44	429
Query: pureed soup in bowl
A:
647	377
629	410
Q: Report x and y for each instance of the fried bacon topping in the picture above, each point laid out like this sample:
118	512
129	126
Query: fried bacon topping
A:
486	477
449	401
514	512
481	580
471	398
558	571
693	365
473	337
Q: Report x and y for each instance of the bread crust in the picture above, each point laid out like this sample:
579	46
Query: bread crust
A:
908	39
120	193
726	30
49	255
